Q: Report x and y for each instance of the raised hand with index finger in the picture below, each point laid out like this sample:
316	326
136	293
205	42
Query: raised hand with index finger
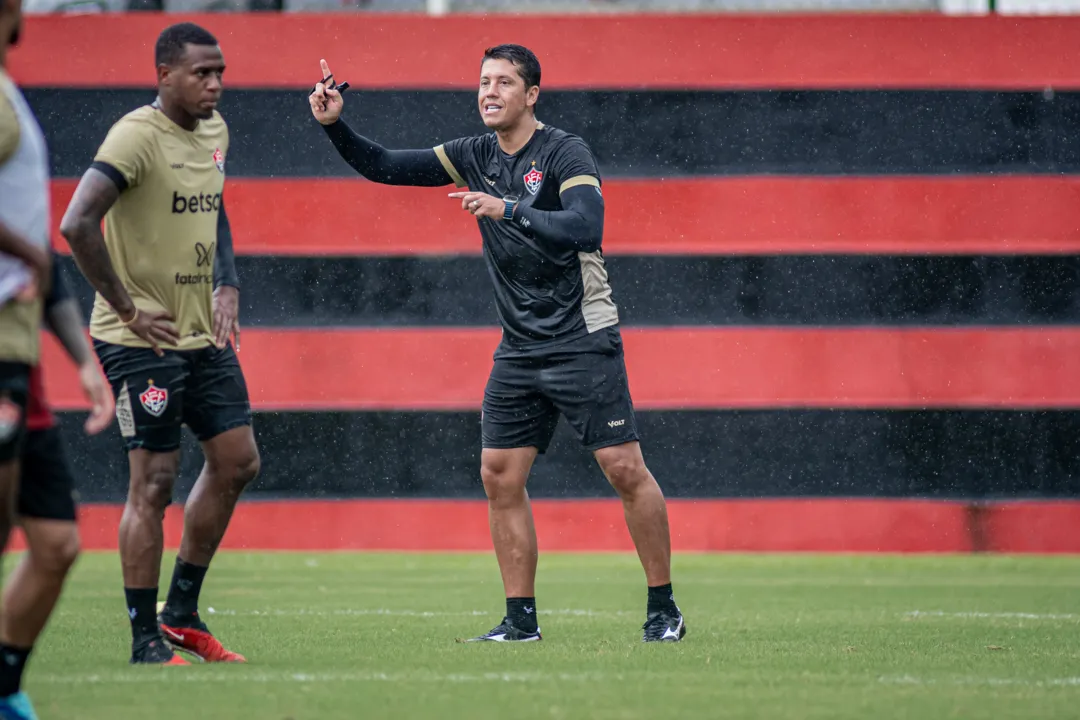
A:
325	97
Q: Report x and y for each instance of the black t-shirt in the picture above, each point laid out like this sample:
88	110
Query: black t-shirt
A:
546	294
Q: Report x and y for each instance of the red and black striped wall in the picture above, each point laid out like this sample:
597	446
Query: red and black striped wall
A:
845	248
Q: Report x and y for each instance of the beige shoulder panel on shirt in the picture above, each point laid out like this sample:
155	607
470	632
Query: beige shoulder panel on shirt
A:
129	145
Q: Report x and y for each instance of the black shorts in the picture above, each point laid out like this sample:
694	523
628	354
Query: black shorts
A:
583	380
155	397
14	396
46	486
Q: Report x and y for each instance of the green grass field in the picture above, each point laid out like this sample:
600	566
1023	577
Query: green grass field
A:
373	636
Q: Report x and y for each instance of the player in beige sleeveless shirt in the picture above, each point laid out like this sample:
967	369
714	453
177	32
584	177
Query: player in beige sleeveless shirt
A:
24	260
166	307
25	266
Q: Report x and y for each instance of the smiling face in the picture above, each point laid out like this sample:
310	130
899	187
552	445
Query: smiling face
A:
503	99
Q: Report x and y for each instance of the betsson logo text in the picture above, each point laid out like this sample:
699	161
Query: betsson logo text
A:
195	203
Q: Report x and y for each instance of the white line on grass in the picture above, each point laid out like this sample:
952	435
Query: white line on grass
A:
346	612
240	675
1025	682
997	615
172	675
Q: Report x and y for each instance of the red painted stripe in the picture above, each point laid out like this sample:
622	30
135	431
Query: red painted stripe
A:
611	51
1033	527
669	368
795	525
758	215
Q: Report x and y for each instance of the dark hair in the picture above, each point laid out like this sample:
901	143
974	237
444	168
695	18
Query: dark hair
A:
524	60
170	43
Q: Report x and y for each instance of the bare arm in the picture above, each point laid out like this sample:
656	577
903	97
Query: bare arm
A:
65	321
81	227
64	318
14	245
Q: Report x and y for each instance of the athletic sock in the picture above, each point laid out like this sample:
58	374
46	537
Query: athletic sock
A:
12	662
522	613
662	599
142	611
183	598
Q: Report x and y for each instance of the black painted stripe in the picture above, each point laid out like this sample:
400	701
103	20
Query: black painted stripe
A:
638	133
692	454
669	290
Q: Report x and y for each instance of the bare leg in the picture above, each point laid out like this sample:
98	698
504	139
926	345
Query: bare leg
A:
35	585
644	507
646	518
9	484
232	462
142	539
513	534
14	654
141	534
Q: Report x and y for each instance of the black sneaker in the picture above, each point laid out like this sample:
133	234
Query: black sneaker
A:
663	627
155	652
506	632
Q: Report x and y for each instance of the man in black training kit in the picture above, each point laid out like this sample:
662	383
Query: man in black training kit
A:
165	309
535	191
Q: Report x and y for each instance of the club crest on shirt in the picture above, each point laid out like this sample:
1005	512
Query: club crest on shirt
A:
154	399
10	415
219	160
533	178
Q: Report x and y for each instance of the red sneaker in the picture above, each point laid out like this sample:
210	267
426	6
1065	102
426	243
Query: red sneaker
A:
194	637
